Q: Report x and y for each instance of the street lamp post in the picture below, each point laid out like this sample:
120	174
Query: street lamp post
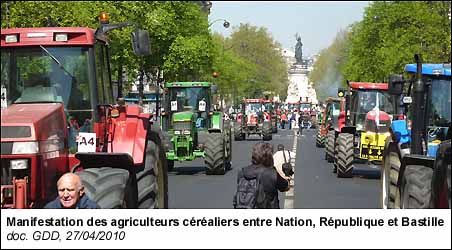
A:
226	24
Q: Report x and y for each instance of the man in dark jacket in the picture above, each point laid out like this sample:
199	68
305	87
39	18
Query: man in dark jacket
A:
71	194
300	123
272	182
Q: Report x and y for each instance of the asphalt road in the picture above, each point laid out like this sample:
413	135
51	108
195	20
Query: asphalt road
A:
315	184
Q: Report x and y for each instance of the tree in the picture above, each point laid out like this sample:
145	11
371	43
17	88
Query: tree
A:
327	75
255	46
178	30
391	33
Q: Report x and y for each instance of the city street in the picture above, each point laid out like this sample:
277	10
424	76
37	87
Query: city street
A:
316	186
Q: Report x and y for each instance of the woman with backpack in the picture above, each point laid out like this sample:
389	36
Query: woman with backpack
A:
258	184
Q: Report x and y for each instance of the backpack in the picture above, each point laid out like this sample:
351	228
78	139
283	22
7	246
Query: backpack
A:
250	192
286	166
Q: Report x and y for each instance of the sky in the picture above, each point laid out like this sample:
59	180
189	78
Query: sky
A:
316	22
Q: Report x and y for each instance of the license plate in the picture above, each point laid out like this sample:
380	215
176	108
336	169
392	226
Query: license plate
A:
372	152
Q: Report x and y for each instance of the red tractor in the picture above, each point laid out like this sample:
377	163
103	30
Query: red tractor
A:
366	120
253	119
59	115
329	120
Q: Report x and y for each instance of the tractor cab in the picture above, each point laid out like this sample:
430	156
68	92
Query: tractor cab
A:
187	102
372	108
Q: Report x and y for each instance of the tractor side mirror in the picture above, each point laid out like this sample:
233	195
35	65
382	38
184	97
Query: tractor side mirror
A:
140	43
395	86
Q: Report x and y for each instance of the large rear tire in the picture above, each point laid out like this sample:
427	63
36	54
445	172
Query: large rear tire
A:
345	155
416	187
238	136
215	154
153	179
107	186
266	131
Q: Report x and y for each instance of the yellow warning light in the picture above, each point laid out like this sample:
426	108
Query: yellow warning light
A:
114	113
340	94
103	18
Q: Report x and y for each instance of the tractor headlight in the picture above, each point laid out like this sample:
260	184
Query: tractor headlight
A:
359	127
187	132
177	132
29	147
18	164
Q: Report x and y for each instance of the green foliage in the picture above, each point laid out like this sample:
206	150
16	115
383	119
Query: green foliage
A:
327	75
267	70
171	25
391	33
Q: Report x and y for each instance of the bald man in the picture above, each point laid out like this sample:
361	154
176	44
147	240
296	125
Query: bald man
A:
71	194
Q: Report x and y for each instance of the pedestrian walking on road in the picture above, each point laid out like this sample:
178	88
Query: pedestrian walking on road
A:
283	120
258	184
300	124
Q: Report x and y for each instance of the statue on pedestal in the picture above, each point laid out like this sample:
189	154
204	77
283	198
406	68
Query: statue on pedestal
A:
299	50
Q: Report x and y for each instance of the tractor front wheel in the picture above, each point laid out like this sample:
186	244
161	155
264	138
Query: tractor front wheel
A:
215	154
108	187
329	149
153	179
345	155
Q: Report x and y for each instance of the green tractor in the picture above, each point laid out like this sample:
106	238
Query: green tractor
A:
193	128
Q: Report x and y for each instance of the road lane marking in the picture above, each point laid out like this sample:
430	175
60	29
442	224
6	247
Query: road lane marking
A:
290	195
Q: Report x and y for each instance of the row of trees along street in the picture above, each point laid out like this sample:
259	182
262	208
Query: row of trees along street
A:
182	45
387	38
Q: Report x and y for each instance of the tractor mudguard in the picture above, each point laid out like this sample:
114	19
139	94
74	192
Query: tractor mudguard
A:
216	121
102	159
129	134
348	130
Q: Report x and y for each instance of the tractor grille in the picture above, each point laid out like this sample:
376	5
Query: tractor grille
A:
6	172
182	125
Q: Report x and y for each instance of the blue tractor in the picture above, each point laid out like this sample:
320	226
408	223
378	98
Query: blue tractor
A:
417	155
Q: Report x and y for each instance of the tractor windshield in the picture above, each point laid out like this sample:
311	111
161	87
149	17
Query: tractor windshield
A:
367	100
305	106
30	75
195	99
440	102
268	106
254	107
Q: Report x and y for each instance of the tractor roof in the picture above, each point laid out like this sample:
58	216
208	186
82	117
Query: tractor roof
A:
47	36
187	84
368	85
430	69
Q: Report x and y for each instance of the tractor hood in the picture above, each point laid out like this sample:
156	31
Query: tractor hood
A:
183	116
33	122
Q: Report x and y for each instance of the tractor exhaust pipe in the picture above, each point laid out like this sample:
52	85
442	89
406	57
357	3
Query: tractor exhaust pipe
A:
418	124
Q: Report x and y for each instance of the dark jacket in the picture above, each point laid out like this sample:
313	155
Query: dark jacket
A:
84	202
271	181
